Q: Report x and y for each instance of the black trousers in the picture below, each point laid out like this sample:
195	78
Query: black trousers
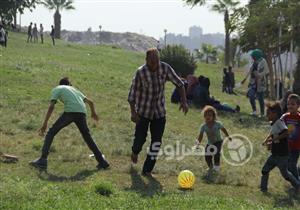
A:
64	120
157	127
217	146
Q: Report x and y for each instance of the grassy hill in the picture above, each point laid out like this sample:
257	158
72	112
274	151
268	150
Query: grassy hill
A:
28	72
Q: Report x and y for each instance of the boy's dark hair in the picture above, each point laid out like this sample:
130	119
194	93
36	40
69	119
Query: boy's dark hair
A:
65	81
200	78
274	108
294	97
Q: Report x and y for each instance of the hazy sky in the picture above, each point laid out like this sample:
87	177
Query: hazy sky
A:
149	17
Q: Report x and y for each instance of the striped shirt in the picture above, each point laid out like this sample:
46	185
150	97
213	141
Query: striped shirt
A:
147	90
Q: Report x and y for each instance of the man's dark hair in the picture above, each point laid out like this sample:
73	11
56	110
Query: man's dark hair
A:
65	81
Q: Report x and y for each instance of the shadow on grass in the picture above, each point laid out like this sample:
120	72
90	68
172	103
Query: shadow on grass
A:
290	200
81	175
147	188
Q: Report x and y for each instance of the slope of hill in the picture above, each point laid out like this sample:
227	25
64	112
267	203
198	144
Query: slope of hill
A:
128	41
28	72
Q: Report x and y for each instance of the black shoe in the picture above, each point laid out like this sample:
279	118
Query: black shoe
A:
39	163
103	165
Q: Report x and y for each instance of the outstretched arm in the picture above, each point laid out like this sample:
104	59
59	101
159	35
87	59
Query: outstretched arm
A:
200	137
47	117
246	77
226	133
183	106
283	135
92	108
134	116
267	139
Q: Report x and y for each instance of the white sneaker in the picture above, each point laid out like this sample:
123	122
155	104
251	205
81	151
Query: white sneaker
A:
217	168
253	113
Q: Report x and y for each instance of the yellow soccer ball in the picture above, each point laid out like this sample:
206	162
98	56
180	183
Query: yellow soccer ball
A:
186	179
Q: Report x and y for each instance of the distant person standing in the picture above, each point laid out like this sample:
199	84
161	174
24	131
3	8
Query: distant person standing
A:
2	36
29	33
35	34
52	34
231	80
42	33
225	82
258	82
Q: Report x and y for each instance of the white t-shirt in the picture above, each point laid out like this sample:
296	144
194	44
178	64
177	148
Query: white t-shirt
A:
278	127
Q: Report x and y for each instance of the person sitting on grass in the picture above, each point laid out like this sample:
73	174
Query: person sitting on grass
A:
277	139
212	129
74	111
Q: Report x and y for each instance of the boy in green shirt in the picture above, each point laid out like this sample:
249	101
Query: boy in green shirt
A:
74	111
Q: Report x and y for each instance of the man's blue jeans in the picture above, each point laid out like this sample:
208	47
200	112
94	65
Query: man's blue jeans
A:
260	97
293	160
282	163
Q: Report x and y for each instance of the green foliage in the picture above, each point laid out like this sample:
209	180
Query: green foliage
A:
9	8
210	52
57	6
105	189
227	8
180	59
296	85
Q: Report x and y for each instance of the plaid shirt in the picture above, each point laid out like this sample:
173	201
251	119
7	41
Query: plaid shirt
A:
147	90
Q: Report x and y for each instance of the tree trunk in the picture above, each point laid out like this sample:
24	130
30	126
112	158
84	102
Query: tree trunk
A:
296	86
57	24
227	39
15	18
271	75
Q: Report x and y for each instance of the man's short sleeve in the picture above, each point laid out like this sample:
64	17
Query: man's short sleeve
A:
55	94
80	94
281	126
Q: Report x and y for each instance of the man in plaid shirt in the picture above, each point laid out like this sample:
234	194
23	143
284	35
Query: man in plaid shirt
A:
147	102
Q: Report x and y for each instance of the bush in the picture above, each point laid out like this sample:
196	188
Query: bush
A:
105	189
181	60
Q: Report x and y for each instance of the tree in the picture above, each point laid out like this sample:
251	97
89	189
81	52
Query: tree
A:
58	6
209	51
259	28
225	7
179	58
9	9
296	85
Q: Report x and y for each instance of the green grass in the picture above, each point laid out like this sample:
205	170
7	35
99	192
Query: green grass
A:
28	72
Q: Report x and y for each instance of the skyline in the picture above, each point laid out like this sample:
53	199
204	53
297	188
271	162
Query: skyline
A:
121	16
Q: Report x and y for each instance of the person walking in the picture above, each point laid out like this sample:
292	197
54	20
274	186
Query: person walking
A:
147	103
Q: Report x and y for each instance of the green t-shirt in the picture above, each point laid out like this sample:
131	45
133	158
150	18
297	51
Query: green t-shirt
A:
71	98
213	134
